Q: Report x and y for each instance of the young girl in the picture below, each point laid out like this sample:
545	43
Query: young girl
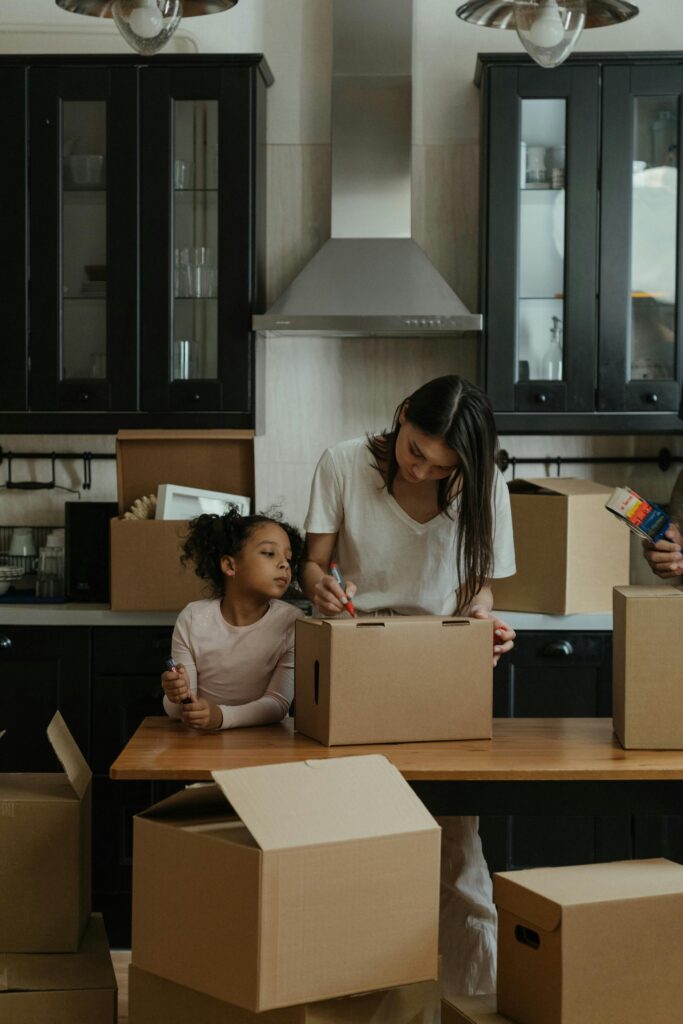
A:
419	519
235	652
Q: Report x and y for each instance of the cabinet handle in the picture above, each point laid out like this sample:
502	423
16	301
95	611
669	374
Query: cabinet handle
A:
652	398
195	398
558	649
5	642
541	397
84	396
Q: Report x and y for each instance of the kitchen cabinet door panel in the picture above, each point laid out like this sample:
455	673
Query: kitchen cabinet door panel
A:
14	253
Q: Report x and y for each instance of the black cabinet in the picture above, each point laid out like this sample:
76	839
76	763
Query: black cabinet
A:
141	190
580	273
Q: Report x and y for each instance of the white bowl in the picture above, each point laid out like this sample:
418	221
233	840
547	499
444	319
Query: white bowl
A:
4	586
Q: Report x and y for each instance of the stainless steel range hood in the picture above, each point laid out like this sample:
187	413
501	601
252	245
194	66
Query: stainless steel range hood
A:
370	278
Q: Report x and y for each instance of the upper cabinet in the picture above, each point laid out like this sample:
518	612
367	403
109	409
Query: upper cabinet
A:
580	219
133	199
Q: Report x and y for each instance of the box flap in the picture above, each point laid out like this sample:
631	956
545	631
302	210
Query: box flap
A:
564	485
218	460
472	1010
70	757
89	968
645	591
324	801
524	903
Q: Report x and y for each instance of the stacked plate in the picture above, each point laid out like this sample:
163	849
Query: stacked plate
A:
9	574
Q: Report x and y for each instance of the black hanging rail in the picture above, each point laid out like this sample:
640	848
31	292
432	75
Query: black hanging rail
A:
48	485
663	459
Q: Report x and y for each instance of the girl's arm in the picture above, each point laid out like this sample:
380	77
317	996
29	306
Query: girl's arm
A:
316	583
183	655
273	706
480	608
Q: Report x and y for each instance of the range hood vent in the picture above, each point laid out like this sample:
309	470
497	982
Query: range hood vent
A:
370	278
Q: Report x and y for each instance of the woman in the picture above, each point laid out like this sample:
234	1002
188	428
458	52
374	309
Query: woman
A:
419	520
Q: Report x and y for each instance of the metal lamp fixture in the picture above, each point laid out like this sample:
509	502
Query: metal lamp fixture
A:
548	29
146	25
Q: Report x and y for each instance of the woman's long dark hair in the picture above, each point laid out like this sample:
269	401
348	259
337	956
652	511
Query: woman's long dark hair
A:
457	413
210	537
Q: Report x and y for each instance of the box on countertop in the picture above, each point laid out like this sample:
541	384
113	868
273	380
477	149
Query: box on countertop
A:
472	1010
146	573
60	988
324	882
154	1000
593	944
570	551
395	679
647	667
45	852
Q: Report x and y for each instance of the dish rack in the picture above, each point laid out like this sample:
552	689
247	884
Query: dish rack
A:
25	562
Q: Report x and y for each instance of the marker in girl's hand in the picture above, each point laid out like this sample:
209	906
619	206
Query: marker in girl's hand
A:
346	600
172	666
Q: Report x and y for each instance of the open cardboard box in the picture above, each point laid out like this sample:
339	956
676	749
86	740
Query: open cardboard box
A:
395	679
60	988
146	573
570	551
45	852
593	944
318	879
472	1010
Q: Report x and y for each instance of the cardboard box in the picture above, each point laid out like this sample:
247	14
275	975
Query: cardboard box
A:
570	551
595	944
392	680
321	879
154	1000
472	1010
45	852
146	573
60	988
647	667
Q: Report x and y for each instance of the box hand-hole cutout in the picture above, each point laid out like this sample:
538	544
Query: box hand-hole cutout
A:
316	681
364	625
455	622
527	937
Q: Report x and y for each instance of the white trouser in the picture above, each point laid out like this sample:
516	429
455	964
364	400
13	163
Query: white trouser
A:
468	919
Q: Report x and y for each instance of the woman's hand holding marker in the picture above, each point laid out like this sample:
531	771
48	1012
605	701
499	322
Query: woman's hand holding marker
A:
332	596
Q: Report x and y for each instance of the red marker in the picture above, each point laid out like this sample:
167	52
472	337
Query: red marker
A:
334	572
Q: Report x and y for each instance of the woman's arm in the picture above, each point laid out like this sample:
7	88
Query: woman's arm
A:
480	608
316	583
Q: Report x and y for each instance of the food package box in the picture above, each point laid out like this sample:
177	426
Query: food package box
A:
289	884
570	551
647	668
594	944
154	1000
146	573
45	852
472	1010
395	679
60	988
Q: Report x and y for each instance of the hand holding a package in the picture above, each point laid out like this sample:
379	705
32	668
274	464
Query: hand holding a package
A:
665	558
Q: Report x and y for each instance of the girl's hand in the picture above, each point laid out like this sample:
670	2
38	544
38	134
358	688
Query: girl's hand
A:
327	595
503	635
202	714
665	557
175	684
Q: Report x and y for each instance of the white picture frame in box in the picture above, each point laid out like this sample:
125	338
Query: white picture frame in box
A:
177	502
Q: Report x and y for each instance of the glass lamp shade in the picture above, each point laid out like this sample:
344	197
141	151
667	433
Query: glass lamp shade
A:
147	25
549	29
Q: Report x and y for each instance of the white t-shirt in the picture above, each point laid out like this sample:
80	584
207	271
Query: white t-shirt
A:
397	563
247	670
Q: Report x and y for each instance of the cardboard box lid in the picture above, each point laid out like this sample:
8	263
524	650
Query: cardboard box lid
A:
50	786
218	460
567	486
75	766
310	803
647	592
89	968
539	895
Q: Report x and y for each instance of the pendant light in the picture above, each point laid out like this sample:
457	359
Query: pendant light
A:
146	25
548	29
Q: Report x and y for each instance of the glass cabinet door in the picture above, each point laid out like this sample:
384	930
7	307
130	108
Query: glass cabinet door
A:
199	281
541	206
640	358
83	286
14	254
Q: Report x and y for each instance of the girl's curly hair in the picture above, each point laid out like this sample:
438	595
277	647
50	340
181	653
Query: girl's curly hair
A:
210	537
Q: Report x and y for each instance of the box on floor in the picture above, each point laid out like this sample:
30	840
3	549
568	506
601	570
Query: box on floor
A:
45	852
472	1010
60	988
593	944
155	1000
146	573
321	879
570	551
395	679
647	667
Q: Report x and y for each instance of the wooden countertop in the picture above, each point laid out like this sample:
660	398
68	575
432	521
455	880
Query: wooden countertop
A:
522	749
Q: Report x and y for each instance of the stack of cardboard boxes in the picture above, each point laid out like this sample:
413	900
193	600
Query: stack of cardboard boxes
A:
282	893
54	957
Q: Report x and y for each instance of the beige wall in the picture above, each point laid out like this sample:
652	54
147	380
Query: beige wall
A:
319	391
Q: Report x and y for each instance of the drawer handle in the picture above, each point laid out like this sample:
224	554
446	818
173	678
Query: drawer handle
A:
541	398
5	642
558	649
